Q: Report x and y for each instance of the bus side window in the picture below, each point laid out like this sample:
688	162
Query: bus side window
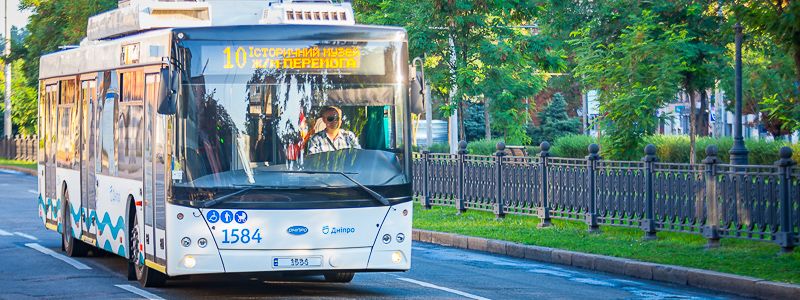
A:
107	120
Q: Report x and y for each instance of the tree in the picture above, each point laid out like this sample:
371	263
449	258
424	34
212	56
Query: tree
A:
493	57
779	22
554	121
768	88
23	101
636	72
52	24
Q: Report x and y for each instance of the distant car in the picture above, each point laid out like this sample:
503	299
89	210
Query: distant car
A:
439	132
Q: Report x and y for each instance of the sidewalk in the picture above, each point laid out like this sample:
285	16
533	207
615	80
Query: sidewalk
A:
19	169
728	283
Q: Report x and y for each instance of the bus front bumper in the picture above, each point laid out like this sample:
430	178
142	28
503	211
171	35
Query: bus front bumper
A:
323	260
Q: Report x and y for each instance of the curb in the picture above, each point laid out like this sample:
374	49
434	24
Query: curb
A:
19	169
722	282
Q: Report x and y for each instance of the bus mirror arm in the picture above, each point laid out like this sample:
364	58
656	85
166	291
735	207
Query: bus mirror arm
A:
167	94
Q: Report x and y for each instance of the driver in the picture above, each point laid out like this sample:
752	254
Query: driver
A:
333	137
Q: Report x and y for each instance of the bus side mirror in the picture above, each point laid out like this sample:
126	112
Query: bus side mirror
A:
417	95
167	94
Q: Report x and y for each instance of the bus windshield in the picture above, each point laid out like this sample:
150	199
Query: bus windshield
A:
290	115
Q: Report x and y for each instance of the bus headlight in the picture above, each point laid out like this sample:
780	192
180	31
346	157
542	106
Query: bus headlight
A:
202	242
189	261
387	238
397	257
186	241
401	237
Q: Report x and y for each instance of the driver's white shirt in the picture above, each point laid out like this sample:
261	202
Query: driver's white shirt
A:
320	142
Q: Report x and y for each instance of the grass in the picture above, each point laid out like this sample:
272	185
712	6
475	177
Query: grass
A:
18	163
742	257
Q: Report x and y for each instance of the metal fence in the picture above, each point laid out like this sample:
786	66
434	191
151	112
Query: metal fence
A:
19	148
712	199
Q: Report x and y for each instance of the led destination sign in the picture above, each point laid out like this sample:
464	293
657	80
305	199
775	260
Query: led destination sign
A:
252	57
295	57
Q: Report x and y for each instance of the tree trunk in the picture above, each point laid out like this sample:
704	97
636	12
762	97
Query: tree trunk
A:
796	48
487	126
692	126
702	121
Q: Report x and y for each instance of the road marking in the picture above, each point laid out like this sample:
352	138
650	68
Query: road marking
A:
33	192
78	265
449	290
27	236
138	291
5	233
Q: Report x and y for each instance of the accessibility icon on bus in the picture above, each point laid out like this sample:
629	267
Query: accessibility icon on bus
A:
227	216
241	217
212	216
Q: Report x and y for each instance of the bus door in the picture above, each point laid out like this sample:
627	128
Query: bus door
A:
51	94
88	178
155	170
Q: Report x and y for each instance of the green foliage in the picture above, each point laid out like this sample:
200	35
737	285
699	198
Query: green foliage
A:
737	256
55	23
555	122
23	101
483	147
440	148
493	57
474	122
636	74
573	146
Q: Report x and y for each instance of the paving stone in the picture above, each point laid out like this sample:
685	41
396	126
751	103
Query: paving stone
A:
740	285
609	264
562	257
497	247
678	275
476	243
441	238
777	290
539	253
639	269
582	260
515	250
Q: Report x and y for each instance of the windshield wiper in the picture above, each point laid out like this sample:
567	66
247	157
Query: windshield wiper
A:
224	198
369	191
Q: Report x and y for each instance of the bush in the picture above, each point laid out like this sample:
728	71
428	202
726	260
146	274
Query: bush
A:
573	146
483	146
675	149
439	148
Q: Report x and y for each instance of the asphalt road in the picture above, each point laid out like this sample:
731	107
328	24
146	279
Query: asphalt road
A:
33	267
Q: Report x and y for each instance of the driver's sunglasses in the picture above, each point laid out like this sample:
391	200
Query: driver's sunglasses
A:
332	118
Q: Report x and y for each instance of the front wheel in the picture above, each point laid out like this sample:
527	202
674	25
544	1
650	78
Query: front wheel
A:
339	277
146	276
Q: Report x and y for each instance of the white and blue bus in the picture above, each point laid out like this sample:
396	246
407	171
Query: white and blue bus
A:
230	136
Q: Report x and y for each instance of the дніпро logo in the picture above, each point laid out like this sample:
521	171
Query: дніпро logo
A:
297	230
337	230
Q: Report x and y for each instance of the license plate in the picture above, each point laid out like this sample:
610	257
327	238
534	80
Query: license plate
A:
297	262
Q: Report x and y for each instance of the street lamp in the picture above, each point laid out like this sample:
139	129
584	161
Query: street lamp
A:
738	152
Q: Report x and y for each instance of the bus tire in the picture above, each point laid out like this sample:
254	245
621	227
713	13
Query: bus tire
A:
339	277
133	244
146	276
72	246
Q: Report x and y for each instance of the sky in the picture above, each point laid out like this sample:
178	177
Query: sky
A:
15	17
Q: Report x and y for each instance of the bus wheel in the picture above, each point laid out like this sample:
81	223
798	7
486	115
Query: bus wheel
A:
340	277
146	276
72	246
133	245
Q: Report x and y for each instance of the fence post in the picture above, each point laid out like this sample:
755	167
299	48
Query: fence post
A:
462	155
591	169
499	205
785	236
544	210
426	195
17	145
711	229
649	222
